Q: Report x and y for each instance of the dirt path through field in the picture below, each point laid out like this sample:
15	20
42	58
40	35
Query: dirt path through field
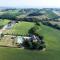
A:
8	26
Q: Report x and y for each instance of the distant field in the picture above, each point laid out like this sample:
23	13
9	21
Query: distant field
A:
20	28
52	39
38	17
57	12
1	13
3	22
58	23
51	14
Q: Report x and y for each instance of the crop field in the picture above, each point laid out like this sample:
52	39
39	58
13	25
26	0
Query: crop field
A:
58	23
20	28
51	37
7	41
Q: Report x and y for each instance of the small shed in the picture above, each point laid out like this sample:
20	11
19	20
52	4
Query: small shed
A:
27	38
19	39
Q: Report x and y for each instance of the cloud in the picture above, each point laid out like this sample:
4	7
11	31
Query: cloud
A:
30	3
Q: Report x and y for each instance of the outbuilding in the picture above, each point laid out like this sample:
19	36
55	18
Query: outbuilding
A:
19	39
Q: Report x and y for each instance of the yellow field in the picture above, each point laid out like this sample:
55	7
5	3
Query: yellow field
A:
8	41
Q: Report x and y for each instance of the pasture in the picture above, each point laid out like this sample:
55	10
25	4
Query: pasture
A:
20	28
52	40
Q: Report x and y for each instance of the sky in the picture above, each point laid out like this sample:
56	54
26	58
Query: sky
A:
30	3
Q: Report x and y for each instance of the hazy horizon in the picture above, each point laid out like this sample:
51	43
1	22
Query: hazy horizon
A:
30	3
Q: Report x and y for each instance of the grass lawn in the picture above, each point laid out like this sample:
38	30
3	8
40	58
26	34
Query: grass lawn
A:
3	22
52	39
20	28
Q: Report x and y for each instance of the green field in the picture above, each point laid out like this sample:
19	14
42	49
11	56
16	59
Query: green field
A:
3	22
51	37
50	14
20	28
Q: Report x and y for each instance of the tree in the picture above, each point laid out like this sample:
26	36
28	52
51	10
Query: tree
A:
37	23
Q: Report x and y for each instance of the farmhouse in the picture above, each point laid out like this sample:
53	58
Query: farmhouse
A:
21	39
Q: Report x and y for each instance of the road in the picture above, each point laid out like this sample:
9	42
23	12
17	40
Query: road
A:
8	26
